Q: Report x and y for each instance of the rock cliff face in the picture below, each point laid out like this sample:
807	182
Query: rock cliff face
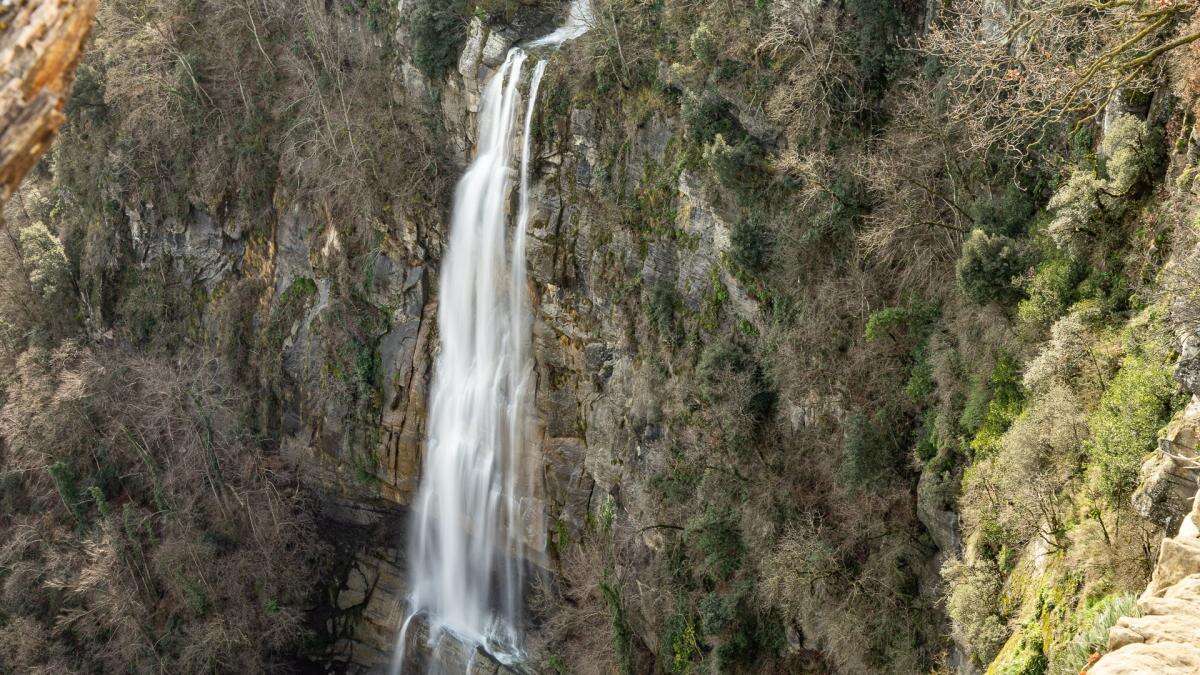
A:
1165	637
568	354
767	410
1168	479
596	411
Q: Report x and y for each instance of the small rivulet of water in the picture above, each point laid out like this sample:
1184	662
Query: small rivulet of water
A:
472	511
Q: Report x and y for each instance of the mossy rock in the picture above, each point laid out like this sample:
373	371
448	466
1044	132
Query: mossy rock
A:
1021	655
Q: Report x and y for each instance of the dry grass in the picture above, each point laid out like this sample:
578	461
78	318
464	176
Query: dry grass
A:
165	537
576	621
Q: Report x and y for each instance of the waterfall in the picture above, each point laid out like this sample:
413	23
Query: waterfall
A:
472	511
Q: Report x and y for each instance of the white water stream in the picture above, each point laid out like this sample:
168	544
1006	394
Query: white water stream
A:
472	512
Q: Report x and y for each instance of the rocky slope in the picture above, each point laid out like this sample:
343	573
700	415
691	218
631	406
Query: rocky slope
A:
1165	636
822	377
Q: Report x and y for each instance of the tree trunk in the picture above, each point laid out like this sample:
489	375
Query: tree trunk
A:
40	44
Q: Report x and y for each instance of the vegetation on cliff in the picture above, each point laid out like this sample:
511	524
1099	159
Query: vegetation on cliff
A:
953	248
893	427
151	519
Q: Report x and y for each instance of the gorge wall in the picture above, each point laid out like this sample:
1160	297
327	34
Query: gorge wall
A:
837	368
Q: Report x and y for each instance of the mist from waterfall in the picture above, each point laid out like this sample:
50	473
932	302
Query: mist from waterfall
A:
472	513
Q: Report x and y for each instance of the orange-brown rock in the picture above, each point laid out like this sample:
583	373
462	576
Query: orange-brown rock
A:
1165	638
40	44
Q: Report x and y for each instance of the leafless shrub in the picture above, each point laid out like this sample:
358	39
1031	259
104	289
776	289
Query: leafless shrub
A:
1182	279
1017	70
27	646
1114	550
819	89
807	579
191	528
920	193
576	618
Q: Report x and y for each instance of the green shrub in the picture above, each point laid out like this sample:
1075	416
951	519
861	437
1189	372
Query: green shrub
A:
682	645
879	23
1077	211
1110	290
153	309
1127	153
622	636
974	409
661	310
707	115
1082	140
989	268
886	322
1013	489
872	447
378	14
717	612
720	359
677	484
744	635
556	664
1092	637
1068	357
1006	213
514	11
973	605
752	637
1136	404
927	443
920	385
728	375
752	243
910	322
439	28
87	94
67	484
715	536
705	45
39	305
1005	401
739	165
1049	293
1096	194
99	500
45	260
1028	658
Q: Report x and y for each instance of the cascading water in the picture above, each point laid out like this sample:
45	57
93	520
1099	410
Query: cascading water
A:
470	516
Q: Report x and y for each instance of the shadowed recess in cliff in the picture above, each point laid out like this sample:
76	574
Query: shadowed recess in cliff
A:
473	511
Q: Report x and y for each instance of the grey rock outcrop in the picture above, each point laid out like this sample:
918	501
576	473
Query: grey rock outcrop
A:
1187	371
1168	478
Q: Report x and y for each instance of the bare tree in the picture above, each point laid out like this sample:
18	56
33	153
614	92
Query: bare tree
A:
820	87
1019	68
